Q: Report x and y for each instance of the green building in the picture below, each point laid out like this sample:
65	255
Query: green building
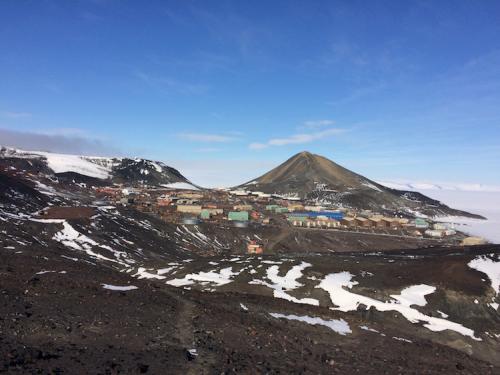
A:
421	223
271	207
205	214
238	215
297	218
281	210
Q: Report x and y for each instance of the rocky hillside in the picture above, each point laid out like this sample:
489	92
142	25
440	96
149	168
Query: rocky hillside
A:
315	178
94	170
110	290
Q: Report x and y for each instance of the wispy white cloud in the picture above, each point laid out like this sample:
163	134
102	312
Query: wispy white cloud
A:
358	94
296	139
207	138
208	149
15	115
257	146
65	132
170	84
317	124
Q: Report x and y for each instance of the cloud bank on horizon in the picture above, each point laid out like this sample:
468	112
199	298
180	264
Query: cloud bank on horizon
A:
66	141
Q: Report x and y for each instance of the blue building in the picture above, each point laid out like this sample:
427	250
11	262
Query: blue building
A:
335	215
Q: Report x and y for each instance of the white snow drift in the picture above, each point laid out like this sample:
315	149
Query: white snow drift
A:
75	240
218	278
490	267
119	288
282	284
338	325
347	301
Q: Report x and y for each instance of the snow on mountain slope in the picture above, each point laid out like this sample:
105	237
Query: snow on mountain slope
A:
180	185
118	170
61	163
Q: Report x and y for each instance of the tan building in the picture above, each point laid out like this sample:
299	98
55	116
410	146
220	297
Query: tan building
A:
392	223
348	222
190	195
471	241
189	209
295	207
333	224
314	208
363	222
378	222
243	207
215	211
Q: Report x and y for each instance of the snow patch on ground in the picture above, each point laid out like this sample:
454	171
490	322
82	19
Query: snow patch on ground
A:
489	266
142	273
402	339
443	315
414	295
336	283
44	189
163	271
44	272
221	277
73	239
366	328
371	186
338	325
119	288
282	284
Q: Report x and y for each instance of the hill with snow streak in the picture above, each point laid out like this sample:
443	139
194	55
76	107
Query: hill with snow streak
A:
116	170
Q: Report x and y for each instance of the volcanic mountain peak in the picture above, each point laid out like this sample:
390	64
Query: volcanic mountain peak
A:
315	178
306	170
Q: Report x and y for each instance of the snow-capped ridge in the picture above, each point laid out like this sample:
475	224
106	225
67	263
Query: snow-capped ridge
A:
115	169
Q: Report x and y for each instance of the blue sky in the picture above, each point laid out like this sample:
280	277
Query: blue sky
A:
224	90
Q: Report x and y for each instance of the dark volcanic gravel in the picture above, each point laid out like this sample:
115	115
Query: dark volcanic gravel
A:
67	323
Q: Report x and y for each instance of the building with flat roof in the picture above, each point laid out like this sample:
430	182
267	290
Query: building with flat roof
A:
191	209
237	216
363	222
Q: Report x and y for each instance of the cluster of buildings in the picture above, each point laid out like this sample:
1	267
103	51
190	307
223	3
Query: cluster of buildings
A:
338	219
188	207
239	208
